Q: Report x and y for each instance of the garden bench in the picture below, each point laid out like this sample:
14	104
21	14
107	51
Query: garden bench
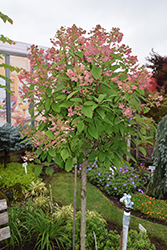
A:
4	231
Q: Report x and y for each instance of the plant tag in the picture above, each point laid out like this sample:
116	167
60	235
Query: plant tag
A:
152	168
25	166
142	228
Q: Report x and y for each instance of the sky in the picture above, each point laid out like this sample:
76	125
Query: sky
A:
143	22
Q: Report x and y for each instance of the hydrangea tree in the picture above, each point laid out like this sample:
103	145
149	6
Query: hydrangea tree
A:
87	94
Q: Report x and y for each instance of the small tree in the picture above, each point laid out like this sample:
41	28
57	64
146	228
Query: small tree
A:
86	91
158	184
158	65
10	139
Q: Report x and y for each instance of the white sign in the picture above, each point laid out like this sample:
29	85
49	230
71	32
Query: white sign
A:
142	228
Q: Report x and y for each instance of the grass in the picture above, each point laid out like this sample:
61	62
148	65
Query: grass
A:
63	193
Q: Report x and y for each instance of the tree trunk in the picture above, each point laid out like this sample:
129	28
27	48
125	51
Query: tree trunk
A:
75	192
83	205
5	158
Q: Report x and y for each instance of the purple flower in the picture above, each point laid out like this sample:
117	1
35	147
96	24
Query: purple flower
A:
115	188
135	186
110	182
140	190
100	179
99	173
133	182
80	168
107	185
89	168
131	179
109	175
108	179
124	184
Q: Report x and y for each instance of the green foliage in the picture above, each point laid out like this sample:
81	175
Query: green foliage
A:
117	181
139	241
158	184
64	212
157	113
15	173
37	188
27	223
4	39
10	139
105	239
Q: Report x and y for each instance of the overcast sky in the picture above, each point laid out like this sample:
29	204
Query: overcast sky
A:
143	22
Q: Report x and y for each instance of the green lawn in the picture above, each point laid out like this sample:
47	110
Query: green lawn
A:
63	193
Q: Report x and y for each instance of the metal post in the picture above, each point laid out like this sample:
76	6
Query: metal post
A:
8	101
126	218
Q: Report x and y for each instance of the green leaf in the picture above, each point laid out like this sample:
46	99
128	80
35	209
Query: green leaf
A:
76	100
123	77
65	153
38	170
31	110
143	151
93	155
38	151
68	164
80	54
80	126
5	18
107	163
135	104
102	156
71	94
49	171
51	152
49	158
114	67
101	97
90	103
116	56
101	112
116	161
87	111
129	155
55	107
47	103
93	132
146	110
49	134
96	72
58	159
49	91
66	104
61	97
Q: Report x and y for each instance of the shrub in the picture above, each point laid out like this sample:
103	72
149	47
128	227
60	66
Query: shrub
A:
158	184
151	207
27	224
105	240
15	173
117	181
